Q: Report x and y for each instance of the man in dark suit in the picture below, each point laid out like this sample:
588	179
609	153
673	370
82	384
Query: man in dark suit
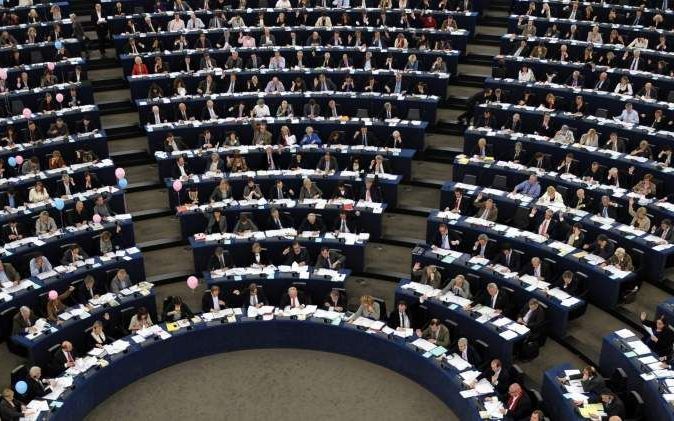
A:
545	224
278	220
601	247
507	258
342	191
497	376
344	224
664	231
220	260
371	192
86	125
296	254
602	83
400	318
613	406
209	112
64	358
532	316
568	165
253	296
396	86
180	168
88	290
74	254
12	231
466	352
458	203
280	191
333	109
445	239
606	208
518	404
536	268
11	199
540	160
66	186
182	113
327	163
312	223
330	259
292	299
365	137
23	321
389	111
37	386
213	300
77	75
483	247
495	298
486	120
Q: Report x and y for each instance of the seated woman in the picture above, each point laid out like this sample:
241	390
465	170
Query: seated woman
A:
215	164
176	310
640	219
38	193
659	336
624	87
45	224
621	260
56	160
140	320
591	138
458	286
646	186
237	163
56	306
97	338
368	308
427	275
222	191
579	107
564	135
551	196
231	139
286	138
644	150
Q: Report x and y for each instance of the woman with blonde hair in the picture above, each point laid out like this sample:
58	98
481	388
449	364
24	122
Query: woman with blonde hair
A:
551	197
591	138
368	308
640	219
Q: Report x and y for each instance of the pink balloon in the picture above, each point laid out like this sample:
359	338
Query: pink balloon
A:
177	185
19	159
53	295
120	173
3	74
59	97
192	282
97	218
27	112
50	65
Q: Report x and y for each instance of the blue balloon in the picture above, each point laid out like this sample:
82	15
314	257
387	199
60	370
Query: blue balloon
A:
21	387
59	204
11	161
122	183
58	45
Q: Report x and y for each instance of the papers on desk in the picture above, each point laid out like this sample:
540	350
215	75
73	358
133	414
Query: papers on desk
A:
82	365
406	333
334	275
594	410
492	408
116	347
10	288
624	333
639	347
508	335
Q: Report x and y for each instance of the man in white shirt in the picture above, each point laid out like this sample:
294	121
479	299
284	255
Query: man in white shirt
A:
214	301
273	86
260	109
629	115
176	24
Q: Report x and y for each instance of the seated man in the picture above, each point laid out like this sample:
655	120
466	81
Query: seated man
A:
600	247
39	264
335	301
253	296
344	224
64	358
330	259
292	299
73	255
507	258
517	405
486	209
459	203
312	223
445	239
530	187
466	352
213	300
483	247
495	298
24	321
399	318
532	316
536	268
221	260
296	254
120	281
436	333
497	376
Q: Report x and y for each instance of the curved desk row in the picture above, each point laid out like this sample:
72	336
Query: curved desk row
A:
411	132
606	287
32	98
71	116
239	250
558	406
74	329
652	263
140	85
225	104
204	339
32	289
485	172
558	312
617	352
276	282
195	220
400	160
327	184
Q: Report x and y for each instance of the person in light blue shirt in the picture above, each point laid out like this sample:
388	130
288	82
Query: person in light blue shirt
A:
530	187
310	138
39	264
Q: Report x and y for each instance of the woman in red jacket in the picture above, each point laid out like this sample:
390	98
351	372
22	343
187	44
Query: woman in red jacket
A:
139	68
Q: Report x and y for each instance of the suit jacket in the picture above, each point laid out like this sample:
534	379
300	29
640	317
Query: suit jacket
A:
36	389
341	302
669	237
83	294
605	253
207	301
175	172
61	188
537	317
285	300
322	164
285	220
58	363
473	356
303	256
571	289
489	251
274	194
502	301
502	381
491	216
217	226
522	409
394	319
528	269
375	194
371	139
19	325
263	259
617	408
9	413
612	211
535	224
335	257
245	298
463	206
442	339
68	256
214	262
451	236
513	265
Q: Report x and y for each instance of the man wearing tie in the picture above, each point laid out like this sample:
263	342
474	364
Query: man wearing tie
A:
253	297
532	316
279	191
664	231
546	227
397	84
371	193
330	259
39	264
88	290
180	169
486	209
213	300
343	224
606	208
445	239
23	322
507	258
64	358
388	112
482	247
327	163
333	110
458	203
495	298
399	319
324	84
231	86
536	269
292	299
209	112
277	220
220	260
602	83
518	404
